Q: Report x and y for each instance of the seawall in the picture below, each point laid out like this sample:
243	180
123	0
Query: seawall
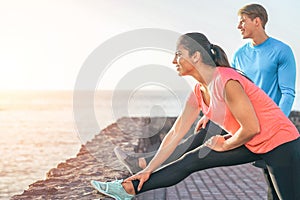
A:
96	160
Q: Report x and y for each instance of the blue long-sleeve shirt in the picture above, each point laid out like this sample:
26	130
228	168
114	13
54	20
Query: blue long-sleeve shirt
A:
272	67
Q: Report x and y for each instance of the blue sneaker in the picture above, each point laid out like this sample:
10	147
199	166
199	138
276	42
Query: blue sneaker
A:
113	189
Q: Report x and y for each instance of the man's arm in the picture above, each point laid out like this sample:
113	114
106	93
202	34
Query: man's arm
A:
287	80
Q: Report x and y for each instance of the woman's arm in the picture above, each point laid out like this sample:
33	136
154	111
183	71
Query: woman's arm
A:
170	142
179	129
242	109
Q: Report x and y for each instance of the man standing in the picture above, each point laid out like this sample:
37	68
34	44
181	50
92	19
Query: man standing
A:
268	62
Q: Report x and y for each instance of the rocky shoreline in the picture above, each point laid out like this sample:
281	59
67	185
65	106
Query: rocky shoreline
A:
96	159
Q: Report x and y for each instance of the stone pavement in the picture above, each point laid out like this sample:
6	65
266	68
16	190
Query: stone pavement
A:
241	182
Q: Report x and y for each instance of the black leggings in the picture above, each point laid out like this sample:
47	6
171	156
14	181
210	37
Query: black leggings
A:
283	164
192	141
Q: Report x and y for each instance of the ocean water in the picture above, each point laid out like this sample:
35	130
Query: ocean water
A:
38	129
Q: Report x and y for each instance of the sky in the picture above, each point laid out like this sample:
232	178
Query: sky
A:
44	43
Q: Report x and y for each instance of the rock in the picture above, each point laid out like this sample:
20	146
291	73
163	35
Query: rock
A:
96	160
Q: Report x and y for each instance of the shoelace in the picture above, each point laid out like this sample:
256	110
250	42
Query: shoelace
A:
117	180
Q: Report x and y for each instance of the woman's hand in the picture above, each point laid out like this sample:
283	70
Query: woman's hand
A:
201	123
142	176
216	143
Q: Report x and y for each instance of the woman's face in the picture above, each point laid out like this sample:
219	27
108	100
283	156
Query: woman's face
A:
183	61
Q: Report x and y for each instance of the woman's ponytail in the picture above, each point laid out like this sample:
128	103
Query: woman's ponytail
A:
211	54
219	56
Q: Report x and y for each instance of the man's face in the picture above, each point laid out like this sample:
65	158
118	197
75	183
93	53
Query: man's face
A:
246	26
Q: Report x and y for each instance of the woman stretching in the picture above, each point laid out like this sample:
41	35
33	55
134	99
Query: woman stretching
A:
258	128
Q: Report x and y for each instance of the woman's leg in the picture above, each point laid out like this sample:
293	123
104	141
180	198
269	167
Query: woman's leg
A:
272	194
193	141
196	160
284	167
